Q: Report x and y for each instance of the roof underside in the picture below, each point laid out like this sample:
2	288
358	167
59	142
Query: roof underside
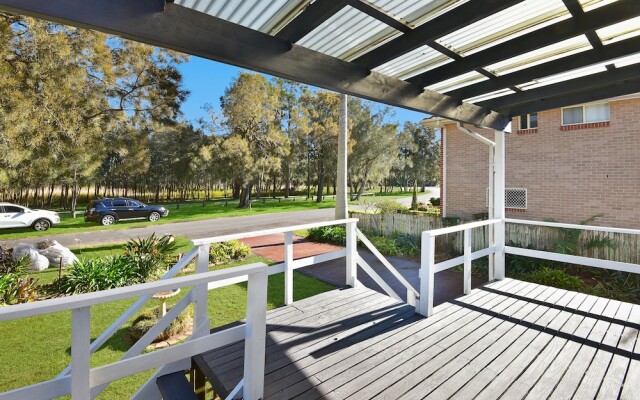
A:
475	61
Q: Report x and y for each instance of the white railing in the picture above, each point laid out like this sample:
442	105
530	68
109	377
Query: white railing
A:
428	266
88	383
572	259
83	380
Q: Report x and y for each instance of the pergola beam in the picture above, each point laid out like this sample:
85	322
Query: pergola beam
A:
578	60
583	96
591	81
606	15
442	25
192	32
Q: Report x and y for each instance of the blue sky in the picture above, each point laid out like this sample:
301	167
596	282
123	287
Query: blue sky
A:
206	80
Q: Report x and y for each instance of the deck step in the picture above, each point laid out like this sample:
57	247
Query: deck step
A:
175	386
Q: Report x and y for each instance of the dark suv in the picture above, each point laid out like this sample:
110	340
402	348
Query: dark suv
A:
109	211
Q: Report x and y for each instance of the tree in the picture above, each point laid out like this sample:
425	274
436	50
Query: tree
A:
249	106
373	145
425	153
321	111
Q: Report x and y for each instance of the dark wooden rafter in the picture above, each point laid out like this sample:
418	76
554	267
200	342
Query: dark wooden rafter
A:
606	15
182	29
577	12
573	61
380	15
451	21
621	88
606	78
310	18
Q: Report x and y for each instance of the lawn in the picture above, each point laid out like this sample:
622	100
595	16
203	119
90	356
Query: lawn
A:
38	348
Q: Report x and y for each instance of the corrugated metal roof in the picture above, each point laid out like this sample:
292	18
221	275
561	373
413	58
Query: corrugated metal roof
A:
347	33
420	60
505	25
350	33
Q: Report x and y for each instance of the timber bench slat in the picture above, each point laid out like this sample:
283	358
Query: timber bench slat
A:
508	339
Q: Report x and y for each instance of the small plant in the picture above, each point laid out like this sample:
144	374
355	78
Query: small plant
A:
386	245
145	321
407	244
555	277
435	201
328	234
570	241
16	289
97	274
149	255
388	206
233	250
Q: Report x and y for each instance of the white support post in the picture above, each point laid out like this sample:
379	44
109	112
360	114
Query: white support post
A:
467	261
426	274
254	342
201	293
288	268
499	204
352	255
81	353
341	173
491	229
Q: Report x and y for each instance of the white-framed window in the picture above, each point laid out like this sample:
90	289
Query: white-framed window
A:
513	198
586	113
529	121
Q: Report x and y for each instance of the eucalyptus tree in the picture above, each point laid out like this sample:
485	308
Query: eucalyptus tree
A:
257	143
373	145
321	111
424	153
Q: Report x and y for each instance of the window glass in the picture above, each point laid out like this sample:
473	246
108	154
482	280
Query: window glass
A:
133	203
119	203
12	209
596	112
533	120
523	122
572	115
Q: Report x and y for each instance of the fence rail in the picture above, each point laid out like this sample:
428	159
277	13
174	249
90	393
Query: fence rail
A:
537	235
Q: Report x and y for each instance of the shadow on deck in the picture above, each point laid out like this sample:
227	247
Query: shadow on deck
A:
507	339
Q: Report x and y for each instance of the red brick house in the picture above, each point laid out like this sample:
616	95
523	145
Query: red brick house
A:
565	164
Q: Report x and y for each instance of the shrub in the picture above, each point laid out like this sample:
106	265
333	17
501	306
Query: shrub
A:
385	245
148	255
555	277
98	274
233	250
407	244
435	201
16	289
388	206
328	234
149	318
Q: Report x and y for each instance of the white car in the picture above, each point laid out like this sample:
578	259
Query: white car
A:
15	216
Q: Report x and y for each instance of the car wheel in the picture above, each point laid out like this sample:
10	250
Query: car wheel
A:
154	216
108	219
41	224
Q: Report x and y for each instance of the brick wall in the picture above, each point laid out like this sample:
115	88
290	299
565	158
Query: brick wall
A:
570	174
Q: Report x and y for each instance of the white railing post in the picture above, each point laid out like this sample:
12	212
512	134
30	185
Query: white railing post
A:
81	353
254	343
491	228
499	204
288	268
467	261
352	255
201	294
427	274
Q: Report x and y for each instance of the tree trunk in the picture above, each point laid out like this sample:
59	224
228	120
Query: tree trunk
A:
287	180
245	196
320	183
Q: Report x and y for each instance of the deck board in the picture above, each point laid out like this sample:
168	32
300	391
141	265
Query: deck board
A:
508	339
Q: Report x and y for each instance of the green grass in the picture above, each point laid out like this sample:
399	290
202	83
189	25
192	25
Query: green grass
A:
36	349
192	212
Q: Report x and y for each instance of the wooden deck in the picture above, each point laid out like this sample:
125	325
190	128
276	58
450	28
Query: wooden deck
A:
508	340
